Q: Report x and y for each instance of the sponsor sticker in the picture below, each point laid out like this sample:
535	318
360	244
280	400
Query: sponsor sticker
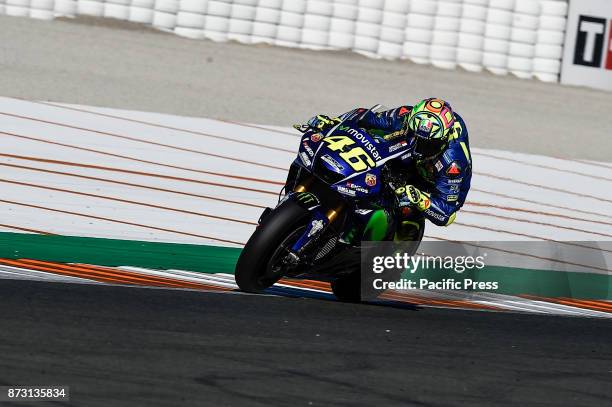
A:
315	138
453	170
452	198
306	198
332	162
370	180
455	181
438	165
397	146
435	215
357	188
403	110
305	159
308	149
346	191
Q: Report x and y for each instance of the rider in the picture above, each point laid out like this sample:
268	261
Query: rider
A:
441	156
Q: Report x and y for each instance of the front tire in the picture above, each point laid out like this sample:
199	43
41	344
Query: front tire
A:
252	269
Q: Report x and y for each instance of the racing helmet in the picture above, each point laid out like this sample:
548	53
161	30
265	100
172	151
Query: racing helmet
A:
430	123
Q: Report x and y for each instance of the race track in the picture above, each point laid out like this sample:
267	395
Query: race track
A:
150	347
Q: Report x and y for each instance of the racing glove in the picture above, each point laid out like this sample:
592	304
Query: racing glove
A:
412	196
323	122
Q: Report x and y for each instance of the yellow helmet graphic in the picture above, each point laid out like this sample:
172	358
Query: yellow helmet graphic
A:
431	122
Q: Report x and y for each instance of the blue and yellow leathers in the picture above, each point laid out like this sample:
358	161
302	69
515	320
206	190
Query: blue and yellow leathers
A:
444	180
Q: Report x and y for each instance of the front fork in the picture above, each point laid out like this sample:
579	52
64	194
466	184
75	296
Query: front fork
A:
320	220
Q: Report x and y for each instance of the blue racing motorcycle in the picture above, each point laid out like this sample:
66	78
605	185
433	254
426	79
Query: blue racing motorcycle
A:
339	193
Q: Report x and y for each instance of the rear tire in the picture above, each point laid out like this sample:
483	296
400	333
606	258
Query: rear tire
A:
351	288
253	261
348	288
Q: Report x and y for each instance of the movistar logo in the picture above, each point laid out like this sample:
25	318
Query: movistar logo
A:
350	131
362	138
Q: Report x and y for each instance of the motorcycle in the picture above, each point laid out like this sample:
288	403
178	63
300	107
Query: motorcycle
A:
339	191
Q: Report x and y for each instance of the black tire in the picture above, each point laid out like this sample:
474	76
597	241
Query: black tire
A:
253	261
348	288
351	288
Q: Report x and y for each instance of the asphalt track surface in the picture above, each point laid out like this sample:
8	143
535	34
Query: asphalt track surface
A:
115	64
152	347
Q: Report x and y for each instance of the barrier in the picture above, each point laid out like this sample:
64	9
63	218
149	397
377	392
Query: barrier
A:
520	37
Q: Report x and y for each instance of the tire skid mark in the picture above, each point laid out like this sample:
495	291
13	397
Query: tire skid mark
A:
532	164
122	222
272	193
137	140
111	181
110	198
534	222
537	202
525	254
594	164
163	126
253	223
257	180
254	126
531	237
514	209
177	167
148	174
545	187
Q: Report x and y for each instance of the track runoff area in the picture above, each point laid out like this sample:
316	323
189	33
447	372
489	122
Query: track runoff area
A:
152	179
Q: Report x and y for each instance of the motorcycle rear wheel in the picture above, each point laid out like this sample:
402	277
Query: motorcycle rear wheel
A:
351	288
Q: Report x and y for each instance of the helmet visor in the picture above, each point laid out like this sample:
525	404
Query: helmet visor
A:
428	148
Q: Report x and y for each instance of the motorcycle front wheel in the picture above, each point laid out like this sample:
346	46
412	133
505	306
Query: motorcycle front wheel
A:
258	265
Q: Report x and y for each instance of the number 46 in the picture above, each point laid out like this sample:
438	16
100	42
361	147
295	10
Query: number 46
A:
356	157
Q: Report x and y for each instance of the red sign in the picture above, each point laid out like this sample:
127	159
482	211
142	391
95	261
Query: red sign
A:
609	50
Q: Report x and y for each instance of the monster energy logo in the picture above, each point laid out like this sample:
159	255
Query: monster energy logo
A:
307	198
